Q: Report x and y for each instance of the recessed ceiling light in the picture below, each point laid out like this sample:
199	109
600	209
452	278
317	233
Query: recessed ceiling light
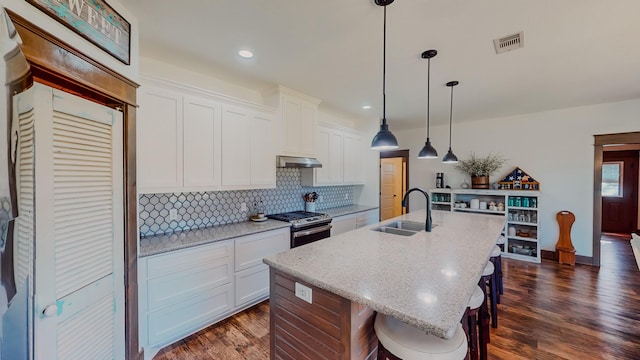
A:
366	107
245	54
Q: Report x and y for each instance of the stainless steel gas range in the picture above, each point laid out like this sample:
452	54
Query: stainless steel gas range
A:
306	227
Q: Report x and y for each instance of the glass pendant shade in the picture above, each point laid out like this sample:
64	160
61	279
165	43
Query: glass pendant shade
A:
428	151
384	139
450	158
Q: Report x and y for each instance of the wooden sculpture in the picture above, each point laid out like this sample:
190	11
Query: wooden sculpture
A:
564	248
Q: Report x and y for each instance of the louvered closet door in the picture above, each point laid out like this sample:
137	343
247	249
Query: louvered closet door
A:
79	281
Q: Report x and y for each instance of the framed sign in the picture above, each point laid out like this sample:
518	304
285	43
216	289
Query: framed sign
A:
95	20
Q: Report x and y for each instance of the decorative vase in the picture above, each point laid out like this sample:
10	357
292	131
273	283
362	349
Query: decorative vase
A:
479	182
464	185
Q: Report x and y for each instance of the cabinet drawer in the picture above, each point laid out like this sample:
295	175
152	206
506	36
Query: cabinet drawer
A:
171	289
182	319
251	284
194	257
251	249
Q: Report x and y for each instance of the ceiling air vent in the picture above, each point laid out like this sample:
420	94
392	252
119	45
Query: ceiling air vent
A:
509	42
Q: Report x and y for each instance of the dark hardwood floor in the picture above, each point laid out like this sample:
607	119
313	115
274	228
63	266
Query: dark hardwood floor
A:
548	311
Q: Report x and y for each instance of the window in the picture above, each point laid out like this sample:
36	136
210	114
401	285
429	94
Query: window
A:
612	179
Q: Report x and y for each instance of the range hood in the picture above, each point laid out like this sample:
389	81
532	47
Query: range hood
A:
297	162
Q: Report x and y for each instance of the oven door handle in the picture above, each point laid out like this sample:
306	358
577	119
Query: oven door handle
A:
312	231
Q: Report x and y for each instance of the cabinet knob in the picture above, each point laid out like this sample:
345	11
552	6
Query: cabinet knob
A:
50	310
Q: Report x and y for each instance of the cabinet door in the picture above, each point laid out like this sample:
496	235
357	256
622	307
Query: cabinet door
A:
201	154
368	217
307	129
335	158
236	147
290	126
343	224
263	156
353	171
252	248
159	138
322	153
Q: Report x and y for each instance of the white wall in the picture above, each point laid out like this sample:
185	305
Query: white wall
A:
554	147
49	24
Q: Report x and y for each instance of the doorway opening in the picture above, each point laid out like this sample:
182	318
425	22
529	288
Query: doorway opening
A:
616	187
394	181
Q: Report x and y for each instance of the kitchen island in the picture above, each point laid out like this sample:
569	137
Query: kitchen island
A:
425	280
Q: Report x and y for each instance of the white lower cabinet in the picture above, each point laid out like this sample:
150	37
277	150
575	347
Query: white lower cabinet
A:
343	224
252	275
186	290
368	217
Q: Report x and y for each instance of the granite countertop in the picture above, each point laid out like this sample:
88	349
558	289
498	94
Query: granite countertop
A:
346	210
157	244
425	280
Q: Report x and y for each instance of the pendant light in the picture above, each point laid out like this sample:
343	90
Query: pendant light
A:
428	151
450	158
384	139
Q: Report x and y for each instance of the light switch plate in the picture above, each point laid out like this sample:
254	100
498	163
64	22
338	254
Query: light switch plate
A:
304	293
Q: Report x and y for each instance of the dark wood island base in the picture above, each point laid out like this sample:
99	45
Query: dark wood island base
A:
331	327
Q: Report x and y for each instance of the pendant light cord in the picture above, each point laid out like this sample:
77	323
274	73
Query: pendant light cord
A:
384	67
428	91
450	117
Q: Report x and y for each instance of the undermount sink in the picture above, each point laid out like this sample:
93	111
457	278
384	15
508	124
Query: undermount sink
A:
401	227
395	231
407	225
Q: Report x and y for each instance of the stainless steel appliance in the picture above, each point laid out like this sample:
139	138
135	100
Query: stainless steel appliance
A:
306	227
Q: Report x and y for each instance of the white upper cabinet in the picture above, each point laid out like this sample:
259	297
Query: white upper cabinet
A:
248	158
263	154
297	123
236	147
159	138
201	128
193	140
339	150
352	158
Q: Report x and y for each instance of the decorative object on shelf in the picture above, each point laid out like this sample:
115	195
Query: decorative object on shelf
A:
464	185
564	248
384	139
439	180
519	180
480	168
500	207
495	186
97	22
450	158
428	151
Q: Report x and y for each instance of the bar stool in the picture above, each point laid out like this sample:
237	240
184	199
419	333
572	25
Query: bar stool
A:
488	278
470	322
400	341
496	259
501	241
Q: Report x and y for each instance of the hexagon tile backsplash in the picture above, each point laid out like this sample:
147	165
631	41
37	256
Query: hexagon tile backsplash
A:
204	209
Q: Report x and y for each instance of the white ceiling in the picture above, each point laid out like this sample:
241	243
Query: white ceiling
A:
576	52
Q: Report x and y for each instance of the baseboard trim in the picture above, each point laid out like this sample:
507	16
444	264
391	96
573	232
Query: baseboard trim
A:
580	259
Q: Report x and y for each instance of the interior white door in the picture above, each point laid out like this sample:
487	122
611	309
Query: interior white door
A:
79	246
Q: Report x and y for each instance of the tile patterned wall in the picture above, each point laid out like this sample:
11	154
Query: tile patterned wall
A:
203	209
